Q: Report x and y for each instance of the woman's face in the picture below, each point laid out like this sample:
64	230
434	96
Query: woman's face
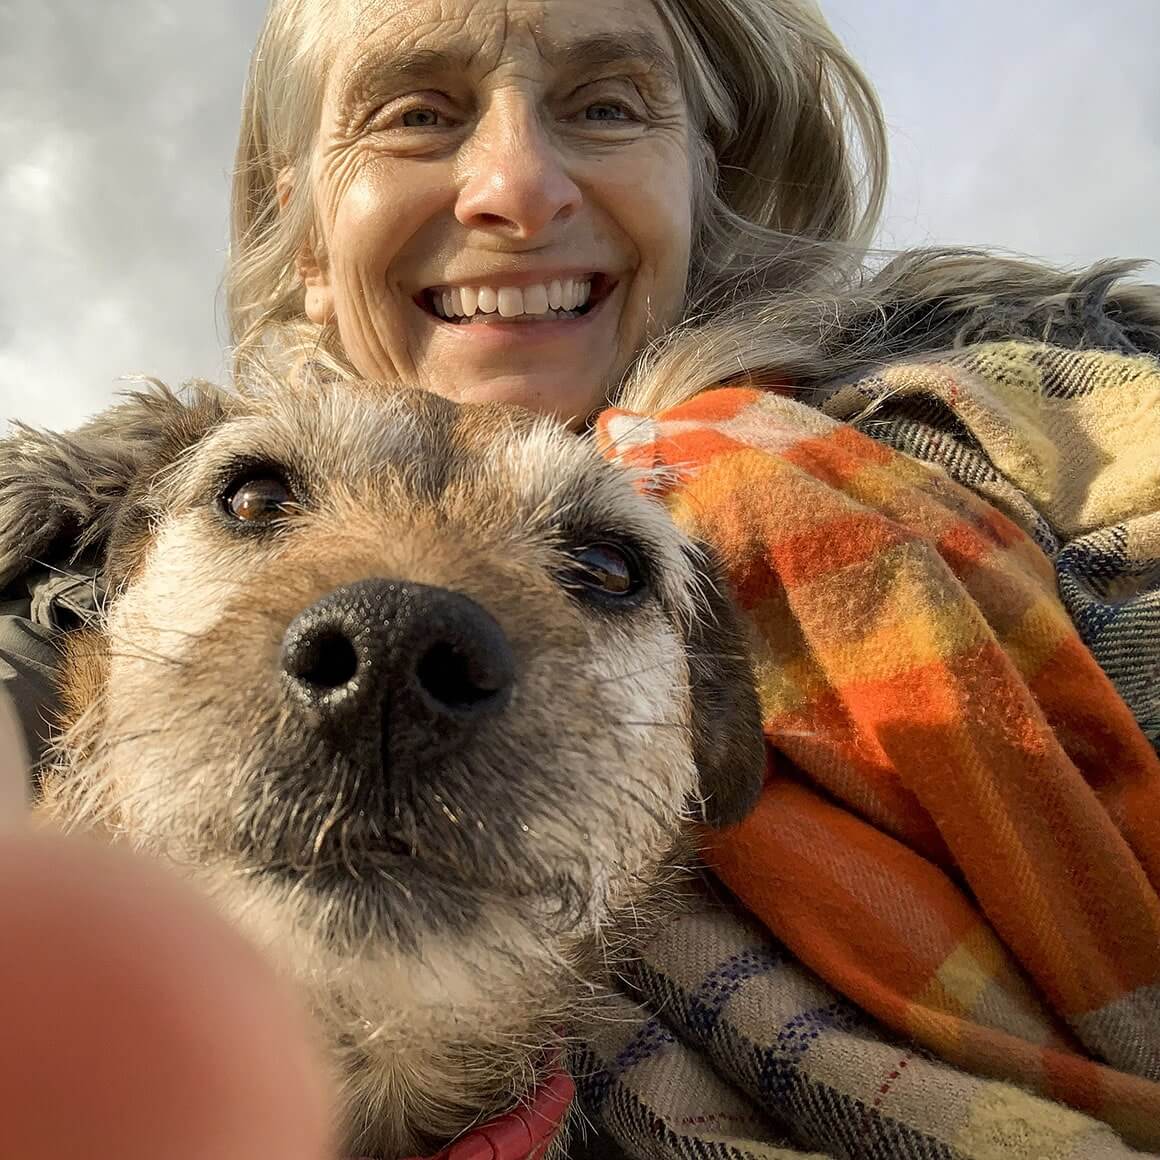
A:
503	191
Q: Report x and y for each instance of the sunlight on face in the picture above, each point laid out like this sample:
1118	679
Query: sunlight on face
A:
504	196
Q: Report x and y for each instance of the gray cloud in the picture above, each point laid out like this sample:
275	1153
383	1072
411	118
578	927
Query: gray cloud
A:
1028	124
1032	125
117	123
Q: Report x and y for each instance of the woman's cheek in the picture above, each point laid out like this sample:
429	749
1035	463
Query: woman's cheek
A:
376	241
654	203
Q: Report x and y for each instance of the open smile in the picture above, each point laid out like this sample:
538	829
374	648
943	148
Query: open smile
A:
556	300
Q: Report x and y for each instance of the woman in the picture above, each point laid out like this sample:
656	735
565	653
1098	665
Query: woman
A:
573	203
579	151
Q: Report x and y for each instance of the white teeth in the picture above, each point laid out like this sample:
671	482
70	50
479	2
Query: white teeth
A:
511	301
536	300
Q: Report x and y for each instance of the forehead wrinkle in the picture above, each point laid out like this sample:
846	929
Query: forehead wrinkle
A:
464	54
387	65
600	50
380	60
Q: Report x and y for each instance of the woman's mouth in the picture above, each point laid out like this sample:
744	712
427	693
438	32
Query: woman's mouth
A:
551	301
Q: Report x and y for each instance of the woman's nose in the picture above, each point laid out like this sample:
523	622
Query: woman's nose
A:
514	177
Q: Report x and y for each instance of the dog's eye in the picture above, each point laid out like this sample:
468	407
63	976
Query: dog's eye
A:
258	500
606	569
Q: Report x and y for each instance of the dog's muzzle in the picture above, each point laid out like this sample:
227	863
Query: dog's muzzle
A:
397	674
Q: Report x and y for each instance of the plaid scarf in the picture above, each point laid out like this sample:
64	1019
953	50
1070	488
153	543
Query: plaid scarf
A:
941	936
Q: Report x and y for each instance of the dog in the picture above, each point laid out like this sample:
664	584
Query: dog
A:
425	696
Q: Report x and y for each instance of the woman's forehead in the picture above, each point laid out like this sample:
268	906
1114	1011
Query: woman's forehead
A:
479	36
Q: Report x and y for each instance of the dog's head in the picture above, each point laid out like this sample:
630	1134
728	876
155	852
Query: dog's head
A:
424	694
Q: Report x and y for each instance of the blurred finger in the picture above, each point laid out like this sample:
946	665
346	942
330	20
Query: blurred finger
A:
137	1023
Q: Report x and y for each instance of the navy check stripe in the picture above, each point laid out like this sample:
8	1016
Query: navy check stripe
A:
776	1067
597	1082
705	1004
652	1038
637	1127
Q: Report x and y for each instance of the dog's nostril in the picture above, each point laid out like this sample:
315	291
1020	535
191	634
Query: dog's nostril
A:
328	661
463	681
403	668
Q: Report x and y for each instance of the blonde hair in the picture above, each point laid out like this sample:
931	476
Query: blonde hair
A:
789	142
281	111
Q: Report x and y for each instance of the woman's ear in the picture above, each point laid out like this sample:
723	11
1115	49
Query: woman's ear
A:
728	743
60	494
310	263
319	300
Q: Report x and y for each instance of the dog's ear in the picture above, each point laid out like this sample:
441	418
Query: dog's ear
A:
60	494
728	745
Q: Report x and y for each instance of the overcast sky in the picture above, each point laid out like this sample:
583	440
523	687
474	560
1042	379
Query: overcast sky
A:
1029	124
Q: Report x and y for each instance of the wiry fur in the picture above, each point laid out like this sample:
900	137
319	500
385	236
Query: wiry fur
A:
60	494
922	302
442	980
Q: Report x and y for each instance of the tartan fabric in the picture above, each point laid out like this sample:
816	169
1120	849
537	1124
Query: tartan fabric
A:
1067	443
729	1047
956	859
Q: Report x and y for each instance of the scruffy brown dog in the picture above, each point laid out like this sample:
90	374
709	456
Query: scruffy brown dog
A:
425	696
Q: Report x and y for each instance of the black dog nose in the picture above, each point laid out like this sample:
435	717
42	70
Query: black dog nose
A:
405	665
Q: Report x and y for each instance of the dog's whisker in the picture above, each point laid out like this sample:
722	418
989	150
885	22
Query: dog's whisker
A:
134	654
620	678
681	725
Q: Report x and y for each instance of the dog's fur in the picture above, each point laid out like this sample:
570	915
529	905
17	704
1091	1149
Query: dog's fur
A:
451	922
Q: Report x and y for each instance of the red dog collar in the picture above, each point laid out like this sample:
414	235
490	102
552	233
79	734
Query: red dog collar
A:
520	1135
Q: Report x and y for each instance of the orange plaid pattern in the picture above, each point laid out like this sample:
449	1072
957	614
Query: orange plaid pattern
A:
961	829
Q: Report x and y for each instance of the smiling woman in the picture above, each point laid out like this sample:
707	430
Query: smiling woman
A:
525	156
509	201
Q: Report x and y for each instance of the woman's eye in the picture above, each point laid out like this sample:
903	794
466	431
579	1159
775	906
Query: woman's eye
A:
605	569
420	119
258	500
607	111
